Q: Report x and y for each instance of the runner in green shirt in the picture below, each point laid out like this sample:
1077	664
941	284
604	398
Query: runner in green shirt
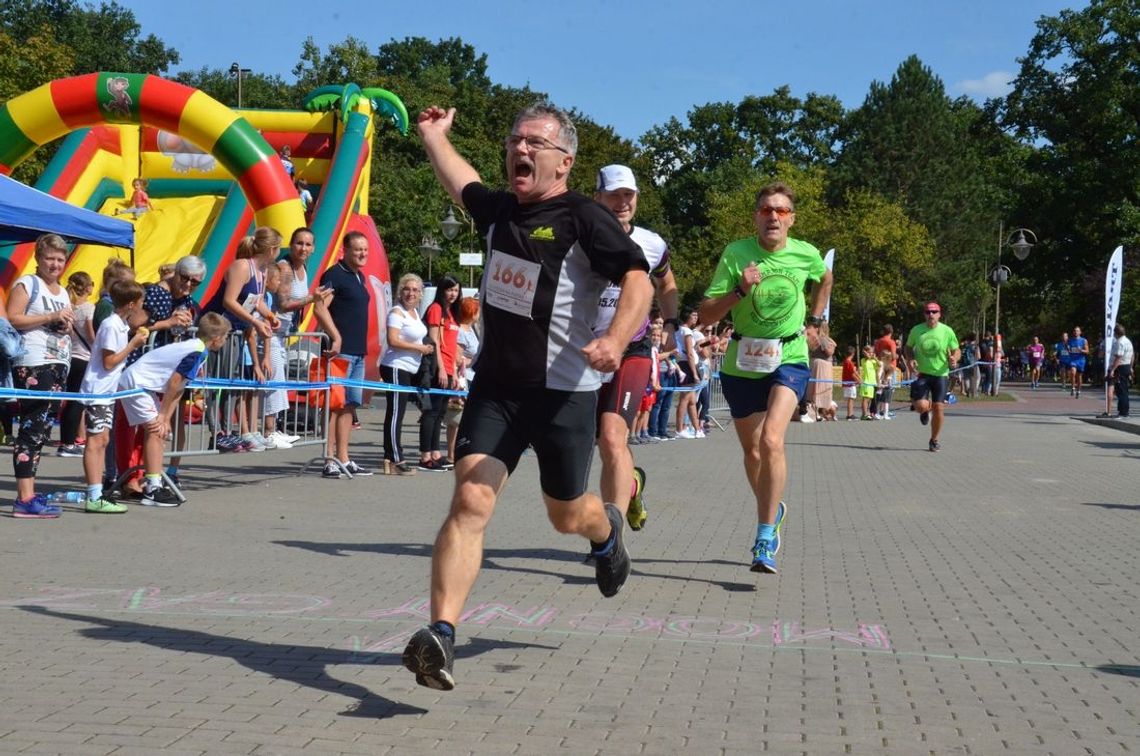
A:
932	351
761	281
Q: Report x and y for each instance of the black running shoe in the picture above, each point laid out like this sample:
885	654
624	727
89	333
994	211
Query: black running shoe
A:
612	568
430	655
924	418
935	446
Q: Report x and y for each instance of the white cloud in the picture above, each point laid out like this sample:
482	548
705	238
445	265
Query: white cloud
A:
993	84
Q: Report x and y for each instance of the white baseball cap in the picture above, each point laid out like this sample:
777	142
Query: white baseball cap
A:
614	177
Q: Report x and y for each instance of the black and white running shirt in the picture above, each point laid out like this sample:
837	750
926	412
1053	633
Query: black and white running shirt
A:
547	265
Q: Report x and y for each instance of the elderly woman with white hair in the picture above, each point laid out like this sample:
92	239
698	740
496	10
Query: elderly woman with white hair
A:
170	304
406	348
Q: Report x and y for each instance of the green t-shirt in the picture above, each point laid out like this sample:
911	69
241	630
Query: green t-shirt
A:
777	307
932	347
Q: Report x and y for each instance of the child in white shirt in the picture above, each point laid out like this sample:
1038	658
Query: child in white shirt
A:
109	352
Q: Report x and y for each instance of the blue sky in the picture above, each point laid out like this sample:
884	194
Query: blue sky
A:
634	65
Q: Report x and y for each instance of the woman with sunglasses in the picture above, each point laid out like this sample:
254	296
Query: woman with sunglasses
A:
170	306
170	309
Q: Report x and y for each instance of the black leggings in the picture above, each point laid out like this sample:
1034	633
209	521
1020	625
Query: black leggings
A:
35	414
72	414
431	420
394	415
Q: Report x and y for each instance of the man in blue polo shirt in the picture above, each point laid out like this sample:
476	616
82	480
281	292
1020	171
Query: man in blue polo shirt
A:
345	320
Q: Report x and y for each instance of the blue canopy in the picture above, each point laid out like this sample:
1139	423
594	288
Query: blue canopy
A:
25	213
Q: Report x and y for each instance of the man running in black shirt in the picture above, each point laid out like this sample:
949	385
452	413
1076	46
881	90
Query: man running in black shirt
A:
551	253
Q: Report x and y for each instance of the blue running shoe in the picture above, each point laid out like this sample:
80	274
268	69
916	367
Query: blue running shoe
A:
36	508
780	512
764	557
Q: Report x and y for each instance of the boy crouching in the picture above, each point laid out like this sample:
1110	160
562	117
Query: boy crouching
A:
165	371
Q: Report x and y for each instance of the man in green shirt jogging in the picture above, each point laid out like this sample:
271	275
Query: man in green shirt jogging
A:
764	374
931	351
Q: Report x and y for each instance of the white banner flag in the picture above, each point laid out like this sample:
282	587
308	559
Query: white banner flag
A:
829	261
1112	283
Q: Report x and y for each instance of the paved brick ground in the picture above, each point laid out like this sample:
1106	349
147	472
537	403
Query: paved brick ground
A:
981	600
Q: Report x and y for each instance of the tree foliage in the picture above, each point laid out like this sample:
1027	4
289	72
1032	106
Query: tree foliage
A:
103	38
911	187
1077	100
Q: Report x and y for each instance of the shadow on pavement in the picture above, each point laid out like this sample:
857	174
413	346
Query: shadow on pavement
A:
1112	444
490	555
1102	505
1128	670
862	447
302	665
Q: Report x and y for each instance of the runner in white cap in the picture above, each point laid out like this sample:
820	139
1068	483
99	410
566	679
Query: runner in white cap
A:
620	395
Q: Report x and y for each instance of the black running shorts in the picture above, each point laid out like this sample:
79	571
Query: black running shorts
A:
934	386
559	425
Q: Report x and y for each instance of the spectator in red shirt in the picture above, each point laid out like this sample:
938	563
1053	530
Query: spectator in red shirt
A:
442	318
850	381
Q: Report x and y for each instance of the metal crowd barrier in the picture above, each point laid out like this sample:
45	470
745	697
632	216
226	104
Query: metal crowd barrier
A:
214	407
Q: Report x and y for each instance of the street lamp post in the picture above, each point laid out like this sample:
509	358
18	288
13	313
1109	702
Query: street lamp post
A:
239	72
453	226
999	275
430	250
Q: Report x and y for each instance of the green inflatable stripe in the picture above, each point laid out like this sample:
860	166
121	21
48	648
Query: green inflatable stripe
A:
338	186
217	243
60	161
106	189
243	145
14	144
182	187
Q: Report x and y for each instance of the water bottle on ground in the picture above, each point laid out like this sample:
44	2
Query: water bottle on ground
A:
67	497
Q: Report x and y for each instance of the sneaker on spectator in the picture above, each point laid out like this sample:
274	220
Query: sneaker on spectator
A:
283	440
686	433
332	471
445	463
358	471
268	443
429	465
700	434
36	508
102	506
69	450
226	443
160	497
250	442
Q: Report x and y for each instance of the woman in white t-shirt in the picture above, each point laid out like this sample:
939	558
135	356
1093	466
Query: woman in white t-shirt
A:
80	286
401	361
40	309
